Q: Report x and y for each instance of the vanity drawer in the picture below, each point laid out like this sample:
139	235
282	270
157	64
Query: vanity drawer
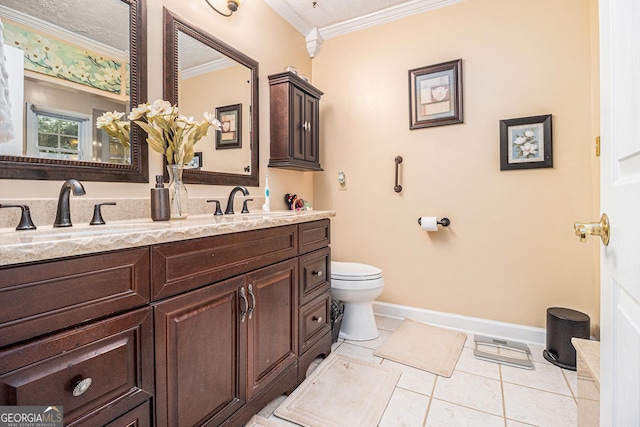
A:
181	266
315	274
314	321
116	354
39	298
314	235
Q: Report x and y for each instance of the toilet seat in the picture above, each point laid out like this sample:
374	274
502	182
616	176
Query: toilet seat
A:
353	271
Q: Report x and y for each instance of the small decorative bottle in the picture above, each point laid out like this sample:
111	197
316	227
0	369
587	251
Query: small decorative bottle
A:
160	208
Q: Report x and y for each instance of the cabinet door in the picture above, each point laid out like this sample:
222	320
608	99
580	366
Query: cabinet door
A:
311	133
199	349
272	323
298	131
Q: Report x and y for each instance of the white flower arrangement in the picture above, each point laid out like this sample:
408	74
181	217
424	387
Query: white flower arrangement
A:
169	133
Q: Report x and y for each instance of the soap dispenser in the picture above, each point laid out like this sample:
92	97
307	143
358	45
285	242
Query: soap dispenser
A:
160	208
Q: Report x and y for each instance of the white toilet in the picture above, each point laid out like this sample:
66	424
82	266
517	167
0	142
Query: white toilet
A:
356	285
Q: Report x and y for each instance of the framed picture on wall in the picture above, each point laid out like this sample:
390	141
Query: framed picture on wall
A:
230	134
435	95
525	143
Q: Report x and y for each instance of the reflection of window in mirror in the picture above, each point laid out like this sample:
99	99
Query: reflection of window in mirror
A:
57	134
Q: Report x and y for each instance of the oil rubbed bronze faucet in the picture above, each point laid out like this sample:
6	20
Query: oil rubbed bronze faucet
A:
63	214
232	195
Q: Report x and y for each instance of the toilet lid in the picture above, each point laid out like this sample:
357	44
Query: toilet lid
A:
354	271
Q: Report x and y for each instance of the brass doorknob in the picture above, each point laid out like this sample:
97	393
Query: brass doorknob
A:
601	229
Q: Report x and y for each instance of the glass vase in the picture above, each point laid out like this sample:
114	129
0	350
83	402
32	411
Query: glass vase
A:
178	196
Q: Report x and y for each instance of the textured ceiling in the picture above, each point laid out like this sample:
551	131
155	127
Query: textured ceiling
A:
106	22
329	12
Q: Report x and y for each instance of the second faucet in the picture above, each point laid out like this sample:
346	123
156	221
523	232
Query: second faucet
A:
232	196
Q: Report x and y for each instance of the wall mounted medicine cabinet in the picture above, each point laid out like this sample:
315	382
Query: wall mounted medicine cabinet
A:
295	123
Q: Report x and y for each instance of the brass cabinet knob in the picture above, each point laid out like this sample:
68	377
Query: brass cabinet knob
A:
602	229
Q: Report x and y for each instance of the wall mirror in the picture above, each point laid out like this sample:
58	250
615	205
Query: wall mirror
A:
68	63
202	73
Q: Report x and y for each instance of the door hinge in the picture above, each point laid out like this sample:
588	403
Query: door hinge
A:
598	146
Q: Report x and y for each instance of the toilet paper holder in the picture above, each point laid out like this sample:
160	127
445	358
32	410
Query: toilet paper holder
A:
443	222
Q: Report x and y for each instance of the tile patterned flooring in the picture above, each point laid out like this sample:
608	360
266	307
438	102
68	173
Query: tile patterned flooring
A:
478	394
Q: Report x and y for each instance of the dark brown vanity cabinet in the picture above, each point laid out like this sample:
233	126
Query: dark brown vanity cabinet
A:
295	123
205	331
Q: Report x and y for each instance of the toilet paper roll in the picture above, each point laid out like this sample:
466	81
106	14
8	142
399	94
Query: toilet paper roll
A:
429	223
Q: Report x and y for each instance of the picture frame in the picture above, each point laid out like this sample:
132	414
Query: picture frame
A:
230	134
526	143
196	162
435	95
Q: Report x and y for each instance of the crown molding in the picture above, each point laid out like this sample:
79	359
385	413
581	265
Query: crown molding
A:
386	15
218	64
315	36
63	34
283	9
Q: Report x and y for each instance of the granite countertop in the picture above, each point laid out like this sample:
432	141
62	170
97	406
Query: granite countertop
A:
46	242
589	351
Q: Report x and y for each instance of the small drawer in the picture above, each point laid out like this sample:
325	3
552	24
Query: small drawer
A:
88	371
314	321
181	266
314	235
315	274
44	297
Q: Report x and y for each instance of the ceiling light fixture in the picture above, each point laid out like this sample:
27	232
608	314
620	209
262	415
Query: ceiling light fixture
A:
232	5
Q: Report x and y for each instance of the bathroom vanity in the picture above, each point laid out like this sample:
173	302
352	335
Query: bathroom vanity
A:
195	322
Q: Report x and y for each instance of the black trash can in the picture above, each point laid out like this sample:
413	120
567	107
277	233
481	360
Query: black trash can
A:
562	325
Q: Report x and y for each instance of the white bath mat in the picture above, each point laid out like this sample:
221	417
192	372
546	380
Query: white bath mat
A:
423	346
341	392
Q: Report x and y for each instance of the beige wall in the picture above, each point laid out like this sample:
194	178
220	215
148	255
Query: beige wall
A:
510	251
255	30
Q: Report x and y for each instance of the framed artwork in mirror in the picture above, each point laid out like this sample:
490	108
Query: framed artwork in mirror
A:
196	162
525	143
435	95
230	135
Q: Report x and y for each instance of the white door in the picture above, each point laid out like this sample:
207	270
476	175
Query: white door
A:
620	199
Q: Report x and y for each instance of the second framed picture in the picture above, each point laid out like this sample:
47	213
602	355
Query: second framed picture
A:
230	135
525	143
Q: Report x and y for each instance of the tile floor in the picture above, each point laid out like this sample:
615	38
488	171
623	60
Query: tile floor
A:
478	394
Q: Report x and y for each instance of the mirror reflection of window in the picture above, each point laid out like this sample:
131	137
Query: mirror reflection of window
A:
58	134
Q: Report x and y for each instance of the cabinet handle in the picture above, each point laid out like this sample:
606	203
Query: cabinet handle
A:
317	319
316	273
243	311
308	126
253	301
81	386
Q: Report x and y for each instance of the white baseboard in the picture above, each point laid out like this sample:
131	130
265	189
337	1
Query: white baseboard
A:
472	325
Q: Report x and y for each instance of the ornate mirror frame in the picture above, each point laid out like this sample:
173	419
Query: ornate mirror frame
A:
16	167
174	24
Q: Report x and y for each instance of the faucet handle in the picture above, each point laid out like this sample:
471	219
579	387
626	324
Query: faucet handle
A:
25	218
97	214
245	208
218	210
